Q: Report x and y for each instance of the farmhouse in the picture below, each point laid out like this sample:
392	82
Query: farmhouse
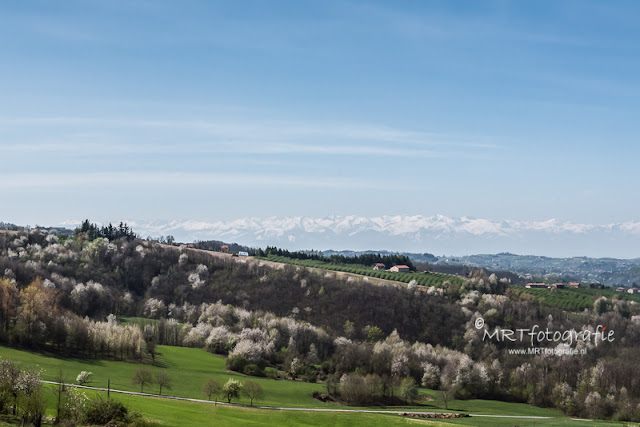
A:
621	289
224	248
379	266
634	291
558	285
574	285
536	285
400	269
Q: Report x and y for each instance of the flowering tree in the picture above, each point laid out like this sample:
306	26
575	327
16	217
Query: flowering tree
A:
83	377
231	389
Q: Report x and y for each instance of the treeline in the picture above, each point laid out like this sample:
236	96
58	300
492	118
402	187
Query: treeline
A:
216	245
110	232
364	259
9	226
32	317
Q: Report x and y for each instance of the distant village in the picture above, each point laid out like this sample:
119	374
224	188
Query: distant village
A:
575	285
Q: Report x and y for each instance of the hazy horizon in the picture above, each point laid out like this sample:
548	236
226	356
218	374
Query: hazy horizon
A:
438	234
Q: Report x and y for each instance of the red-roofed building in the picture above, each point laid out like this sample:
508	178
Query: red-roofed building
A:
574	285
379	266
621	289
634	291
400	269
536	285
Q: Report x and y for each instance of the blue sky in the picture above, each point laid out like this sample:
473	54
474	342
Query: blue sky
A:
220	110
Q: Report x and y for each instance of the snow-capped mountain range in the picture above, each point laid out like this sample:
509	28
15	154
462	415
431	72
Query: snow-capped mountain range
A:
436	234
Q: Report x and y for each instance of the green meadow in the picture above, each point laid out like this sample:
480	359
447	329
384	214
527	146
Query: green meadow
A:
189	368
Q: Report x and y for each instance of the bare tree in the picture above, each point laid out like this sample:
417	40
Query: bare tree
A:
408	389
59	391
253	391
164	380
151	349
212	388
445	395
142	376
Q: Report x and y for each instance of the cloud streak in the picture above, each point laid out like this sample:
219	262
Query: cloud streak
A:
103	136
167	180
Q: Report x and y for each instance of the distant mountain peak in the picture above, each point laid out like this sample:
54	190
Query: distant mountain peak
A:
415	233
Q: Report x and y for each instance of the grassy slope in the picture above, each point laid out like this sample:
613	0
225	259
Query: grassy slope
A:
173	413
189	367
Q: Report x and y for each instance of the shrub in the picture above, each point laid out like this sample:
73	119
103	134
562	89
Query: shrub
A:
271	373
253	370
236	363
102	411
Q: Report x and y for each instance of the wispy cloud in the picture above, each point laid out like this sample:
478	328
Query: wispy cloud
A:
166	180
106	135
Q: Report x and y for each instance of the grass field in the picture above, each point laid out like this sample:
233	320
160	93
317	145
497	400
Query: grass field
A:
172	413
190	367
423	279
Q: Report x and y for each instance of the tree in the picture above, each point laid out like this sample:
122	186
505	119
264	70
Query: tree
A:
32	407
374	334
445	395
232	389
294	368
37	306
59	391
253	391
31	402
142	376
74	404
8	302
331	383
408	389
83	377
151	348
211	388
164	380
353	389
